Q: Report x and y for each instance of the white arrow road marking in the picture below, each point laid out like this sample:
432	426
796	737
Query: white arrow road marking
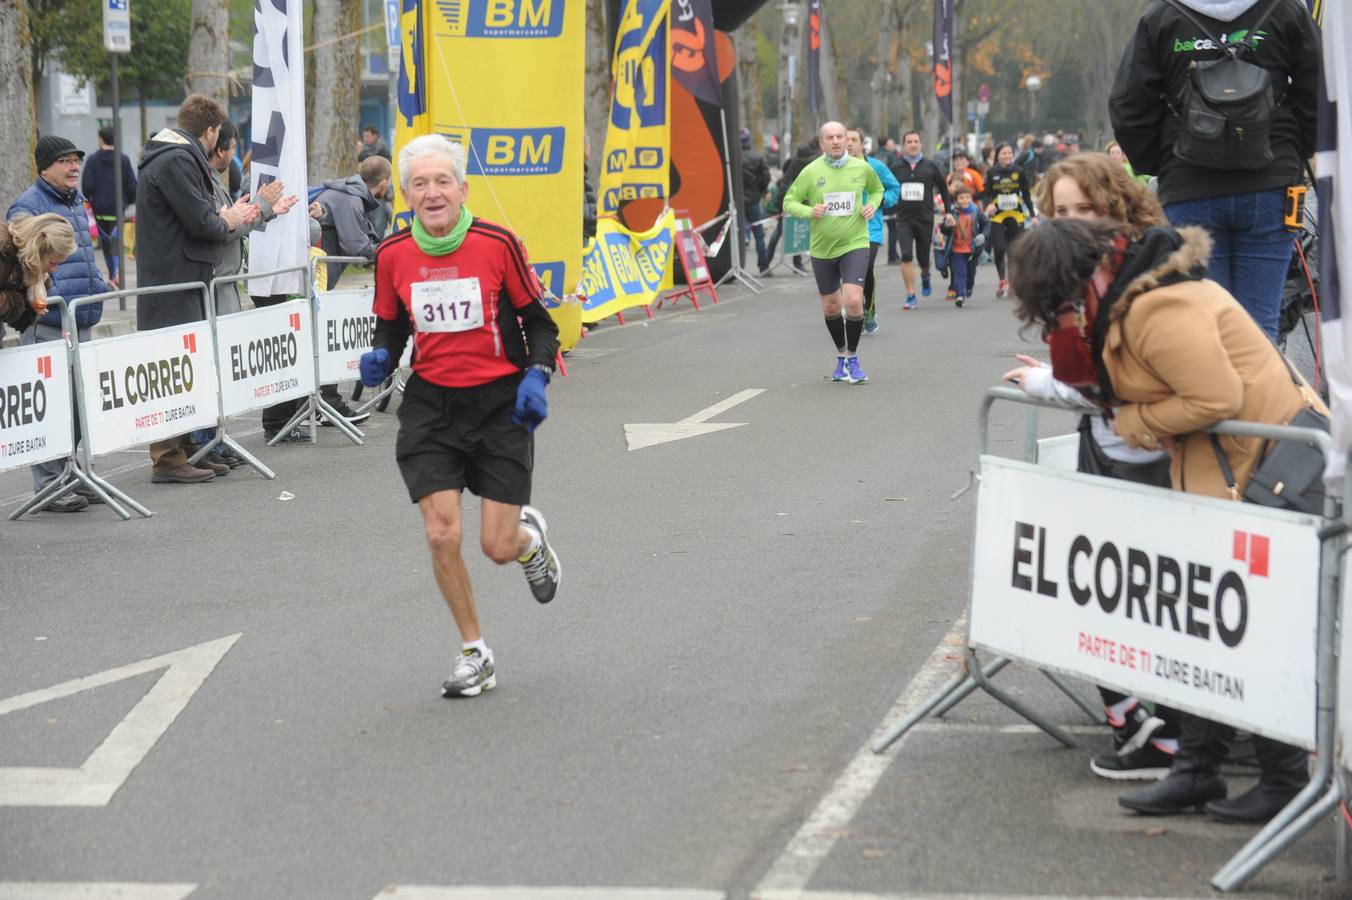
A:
96	781
429	892
649	434
92	890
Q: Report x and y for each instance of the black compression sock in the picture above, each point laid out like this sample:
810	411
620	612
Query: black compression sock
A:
836	325
854	327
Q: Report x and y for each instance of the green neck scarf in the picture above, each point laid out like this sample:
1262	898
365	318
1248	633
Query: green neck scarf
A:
440	246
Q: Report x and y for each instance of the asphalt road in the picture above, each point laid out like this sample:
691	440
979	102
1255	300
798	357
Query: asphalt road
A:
739	612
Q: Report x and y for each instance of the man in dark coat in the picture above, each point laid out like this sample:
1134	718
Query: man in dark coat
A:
755	182
99	184
351	206
177	215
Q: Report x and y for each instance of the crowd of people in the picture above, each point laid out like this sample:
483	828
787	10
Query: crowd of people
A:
1153	269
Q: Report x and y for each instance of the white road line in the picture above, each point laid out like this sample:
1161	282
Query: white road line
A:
97	779
852	895
431	892
92	890
721	406
938	726
795	866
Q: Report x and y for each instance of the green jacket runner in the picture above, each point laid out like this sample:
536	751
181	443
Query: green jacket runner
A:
845	191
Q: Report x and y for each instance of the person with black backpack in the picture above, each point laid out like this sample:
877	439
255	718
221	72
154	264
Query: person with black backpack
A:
1217	98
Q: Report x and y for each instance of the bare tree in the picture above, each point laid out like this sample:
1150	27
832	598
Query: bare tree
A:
334	90
16	86
596	99
834	102
209	50
790	46
883	68
750	111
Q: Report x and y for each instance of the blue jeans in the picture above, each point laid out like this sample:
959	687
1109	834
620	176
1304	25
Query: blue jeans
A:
1250	251
754	213
962	267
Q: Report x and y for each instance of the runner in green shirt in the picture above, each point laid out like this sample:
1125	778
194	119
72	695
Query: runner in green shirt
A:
838	194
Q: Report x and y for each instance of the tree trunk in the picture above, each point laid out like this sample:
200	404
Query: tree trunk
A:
596	99
336	93
209	50
750	109
790	47
16	85
883	69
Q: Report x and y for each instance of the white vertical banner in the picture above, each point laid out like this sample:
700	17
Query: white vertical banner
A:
278	141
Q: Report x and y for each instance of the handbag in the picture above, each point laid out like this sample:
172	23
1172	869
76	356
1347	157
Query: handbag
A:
1289	474
1093	461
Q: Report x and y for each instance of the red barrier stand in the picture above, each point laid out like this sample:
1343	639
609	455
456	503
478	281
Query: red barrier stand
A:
690	250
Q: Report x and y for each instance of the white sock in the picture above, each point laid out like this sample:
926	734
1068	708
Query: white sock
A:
476	645
534	544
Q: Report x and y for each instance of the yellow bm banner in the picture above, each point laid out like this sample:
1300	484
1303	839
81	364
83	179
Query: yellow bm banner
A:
502	18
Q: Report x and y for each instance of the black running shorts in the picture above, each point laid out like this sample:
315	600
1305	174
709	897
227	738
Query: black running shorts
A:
457	438
850	268
920	232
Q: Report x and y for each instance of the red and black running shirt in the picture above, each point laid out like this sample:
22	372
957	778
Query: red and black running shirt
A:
496	257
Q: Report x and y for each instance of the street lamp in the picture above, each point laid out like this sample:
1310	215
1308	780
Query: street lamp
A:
1034	84
790	10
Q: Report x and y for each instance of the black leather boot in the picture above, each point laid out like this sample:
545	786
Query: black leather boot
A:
1194	779
1283	772
1189	785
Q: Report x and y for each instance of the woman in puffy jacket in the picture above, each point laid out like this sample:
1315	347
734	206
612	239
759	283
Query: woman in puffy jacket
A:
31	247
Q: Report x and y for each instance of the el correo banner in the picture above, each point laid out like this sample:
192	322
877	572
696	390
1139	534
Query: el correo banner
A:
265	356
345	326
523	135
35	420
636	161
148	386
1207	605
621	268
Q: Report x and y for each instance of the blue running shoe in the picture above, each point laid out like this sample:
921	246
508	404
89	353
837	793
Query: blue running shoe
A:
870	321
856	374
911	302
840	374
924	284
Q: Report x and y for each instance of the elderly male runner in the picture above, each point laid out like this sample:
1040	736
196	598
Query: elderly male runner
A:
484	352
839	193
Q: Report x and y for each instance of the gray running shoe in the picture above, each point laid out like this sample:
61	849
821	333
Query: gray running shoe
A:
543	569
472	676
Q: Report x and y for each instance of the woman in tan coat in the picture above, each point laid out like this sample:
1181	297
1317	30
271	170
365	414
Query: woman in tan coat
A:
31	247
1169	353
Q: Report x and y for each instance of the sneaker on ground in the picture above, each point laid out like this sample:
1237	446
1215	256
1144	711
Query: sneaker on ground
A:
840	374
951	295
72	502
347	412
870	321
856	371
543	569
959	301
1002	289
296	435
911	302
473	674
184	474
1135	729
925	283
1149	763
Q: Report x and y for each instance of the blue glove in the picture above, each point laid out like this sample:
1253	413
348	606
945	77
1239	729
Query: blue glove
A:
531	406
375	367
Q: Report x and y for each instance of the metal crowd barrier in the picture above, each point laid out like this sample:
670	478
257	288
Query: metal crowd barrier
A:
1317	800
222	433
315	406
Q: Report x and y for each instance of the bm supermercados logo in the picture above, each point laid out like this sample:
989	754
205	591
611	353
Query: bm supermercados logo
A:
512	151
503	18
